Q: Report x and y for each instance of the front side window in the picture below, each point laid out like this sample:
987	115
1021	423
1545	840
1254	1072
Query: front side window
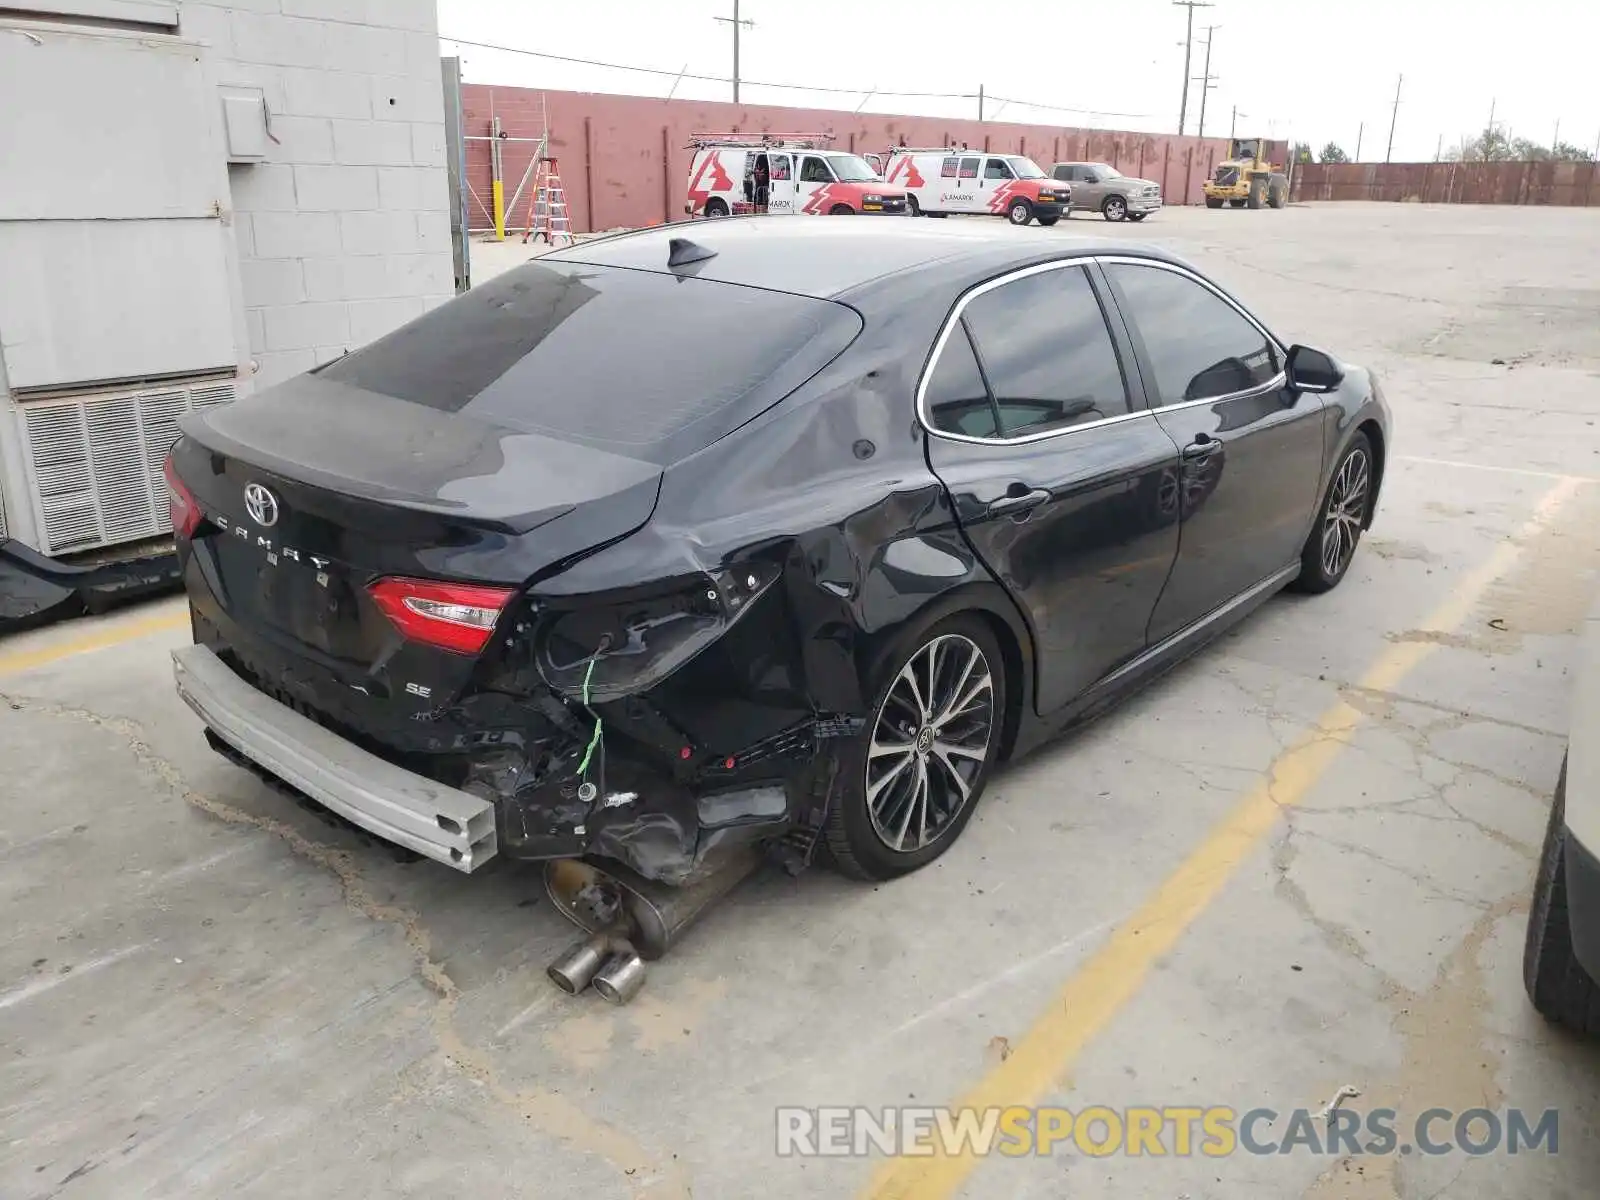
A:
1025	167
1200	345
996	168
852	168
1046	353
815	170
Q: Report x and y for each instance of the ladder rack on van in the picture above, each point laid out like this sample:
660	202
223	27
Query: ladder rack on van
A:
761	141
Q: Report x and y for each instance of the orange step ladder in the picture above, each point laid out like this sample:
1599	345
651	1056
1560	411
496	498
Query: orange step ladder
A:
547	207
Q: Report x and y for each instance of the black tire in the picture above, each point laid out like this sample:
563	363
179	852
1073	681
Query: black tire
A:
716	207
1213	201
940	215
1319	571
858	849
1236	203
1115	208
1048	221
1278	194
1258	193
1019	211
912	206
1561	990
1137	216
841	210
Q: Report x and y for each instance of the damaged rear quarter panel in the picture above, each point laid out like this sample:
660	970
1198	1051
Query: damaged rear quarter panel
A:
834	484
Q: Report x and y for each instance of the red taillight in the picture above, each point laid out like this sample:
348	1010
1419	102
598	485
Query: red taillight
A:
452	616
181	504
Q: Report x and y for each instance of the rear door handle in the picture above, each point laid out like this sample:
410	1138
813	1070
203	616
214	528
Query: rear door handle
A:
1203	446
1020	503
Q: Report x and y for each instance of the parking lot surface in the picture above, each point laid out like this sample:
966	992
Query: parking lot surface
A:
1299	862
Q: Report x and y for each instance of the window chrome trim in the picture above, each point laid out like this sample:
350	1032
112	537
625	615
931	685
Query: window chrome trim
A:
953	321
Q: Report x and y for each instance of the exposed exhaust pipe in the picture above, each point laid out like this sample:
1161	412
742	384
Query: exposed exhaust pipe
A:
578	965
621	978
631	920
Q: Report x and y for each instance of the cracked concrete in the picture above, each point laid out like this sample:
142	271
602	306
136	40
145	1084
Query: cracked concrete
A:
204	989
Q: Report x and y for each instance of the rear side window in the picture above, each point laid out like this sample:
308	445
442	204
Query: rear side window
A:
956	399
1199	344
652	366
947	169
1047	354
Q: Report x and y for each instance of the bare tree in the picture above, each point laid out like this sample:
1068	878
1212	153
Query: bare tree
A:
1489	146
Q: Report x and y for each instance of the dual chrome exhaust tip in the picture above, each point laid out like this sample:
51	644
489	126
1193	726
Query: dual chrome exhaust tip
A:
629	920
611	966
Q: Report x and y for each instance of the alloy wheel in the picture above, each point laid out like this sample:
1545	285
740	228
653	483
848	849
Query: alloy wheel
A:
1347	505
930	743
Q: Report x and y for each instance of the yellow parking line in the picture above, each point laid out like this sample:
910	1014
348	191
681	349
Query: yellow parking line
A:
1104	985
99	639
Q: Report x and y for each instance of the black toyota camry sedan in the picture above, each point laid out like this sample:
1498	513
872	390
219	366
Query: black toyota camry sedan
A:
763	531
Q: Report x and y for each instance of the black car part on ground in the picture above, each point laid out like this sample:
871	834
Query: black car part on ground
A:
639	542
35	589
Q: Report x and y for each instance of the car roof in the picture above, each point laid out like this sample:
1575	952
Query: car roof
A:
827	258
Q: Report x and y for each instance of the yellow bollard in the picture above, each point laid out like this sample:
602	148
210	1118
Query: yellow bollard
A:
499	192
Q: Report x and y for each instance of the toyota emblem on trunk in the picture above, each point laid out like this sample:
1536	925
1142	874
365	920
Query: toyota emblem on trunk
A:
261	504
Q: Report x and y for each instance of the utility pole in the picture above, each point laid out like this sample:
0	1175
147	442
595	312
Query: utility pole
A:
736	23
1360	130
1188	50
1438	153
1233	129
1394	116
1555	138
1207	79
980	102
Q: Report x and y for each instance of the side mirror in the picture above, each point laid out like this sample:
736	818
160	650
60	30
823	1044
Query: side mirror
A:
1313	371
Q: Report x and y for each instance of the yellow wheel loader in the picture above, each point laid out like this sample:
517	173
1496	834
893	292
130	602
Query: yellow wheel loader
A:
1246	178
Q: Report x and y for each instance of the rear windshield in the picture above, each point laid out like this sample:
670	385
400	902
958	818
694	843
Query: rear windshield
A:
653	366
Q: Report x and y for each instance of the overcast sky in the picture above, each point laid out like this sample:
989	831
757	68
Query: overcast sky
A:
1313	70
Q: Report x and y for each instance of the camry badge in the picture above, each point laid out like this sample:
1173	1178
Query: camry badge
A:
261	504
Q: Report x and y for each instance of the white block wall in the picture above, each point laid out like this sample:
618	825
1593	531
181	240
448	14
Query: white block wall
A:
344	233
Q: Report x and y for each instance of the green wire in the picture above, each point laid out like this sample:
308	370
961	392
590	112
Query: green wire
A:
583	767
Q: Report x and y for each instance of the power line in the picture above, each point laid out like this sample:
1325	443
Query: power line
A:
795	87
1087	112
798	87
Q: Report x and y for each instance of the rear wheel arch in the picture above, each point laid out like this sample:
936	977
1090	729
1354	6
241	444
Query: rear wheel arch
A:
1374	434
989	603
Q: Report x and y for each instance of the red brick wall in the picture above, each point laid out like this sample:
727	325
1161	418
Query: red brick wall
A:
1575	184
624	160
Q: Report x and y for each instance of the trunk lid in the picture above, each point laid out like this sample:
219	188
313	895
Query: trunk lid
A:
314	491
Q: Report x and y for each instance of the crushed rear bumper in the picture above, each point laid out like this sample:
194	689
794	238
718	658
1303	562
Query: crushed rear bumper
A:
34	588
443	823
